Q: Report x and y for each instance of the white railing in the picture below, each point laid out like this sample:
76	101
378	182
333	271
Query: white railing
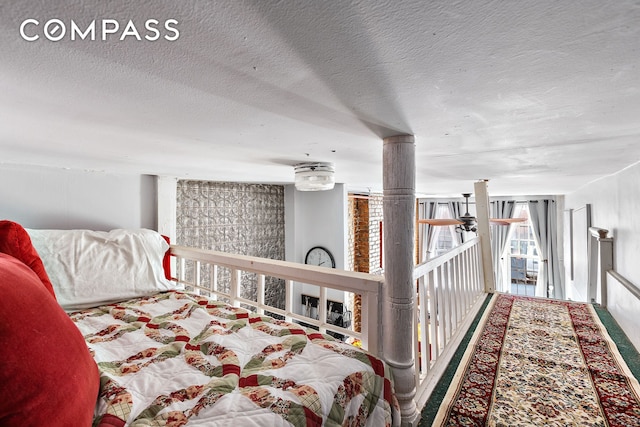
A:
450	293
200	270
623	302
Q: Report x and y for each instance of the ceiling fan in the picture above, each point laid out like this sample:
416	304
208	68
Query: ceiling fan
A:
467	222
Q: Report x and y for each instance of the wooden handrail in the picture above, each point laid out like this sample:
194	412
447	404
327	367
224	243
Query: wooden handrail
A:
366	285
332	278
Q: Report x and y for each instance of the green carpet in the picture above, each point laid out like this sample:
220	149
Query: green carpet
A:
626	349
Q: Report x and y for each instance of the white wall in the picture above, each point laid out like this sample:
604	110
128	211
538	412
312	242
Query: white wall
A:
316	218
167	206
39	197
615	206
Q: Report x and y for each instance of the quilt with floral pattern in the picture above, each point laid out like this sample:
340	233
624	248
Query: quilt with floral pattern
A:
177	359
539	362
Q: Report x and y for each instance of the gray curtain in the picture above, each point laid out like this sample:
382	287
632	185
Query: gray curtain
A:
499	235
456	211
426	210
542	214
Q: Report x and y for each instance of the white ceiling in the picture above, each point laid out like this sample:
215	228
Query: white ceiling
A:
539	97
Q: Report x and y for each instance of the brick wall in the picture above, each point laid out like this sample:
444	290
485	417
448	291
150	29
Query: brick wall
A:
361	231
375	236
365	216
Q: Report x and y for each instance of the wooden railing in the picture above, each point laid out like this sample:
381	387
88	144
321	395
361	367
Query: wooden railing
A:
450	293
221	276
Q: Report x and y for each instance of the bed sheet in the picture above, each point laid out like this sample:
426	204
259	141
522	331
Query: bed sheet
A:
178	359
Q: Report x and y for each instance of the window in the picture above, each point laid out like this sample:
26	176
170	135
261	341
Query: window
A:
523	257
444	237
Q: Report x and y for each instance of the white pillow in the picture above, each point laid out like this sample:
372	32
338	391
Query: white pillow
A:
92	268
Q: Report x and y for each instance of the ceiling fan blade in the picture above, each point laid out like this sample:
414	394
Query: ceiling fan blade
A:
440	221
506	221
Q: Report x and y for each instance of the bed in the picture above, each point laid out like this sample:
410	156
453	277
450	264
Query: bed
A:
152	354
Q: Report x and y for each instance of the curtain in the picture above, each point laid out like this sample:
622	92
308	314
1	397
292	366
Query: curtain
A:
455	209
426	210
542	214
499	236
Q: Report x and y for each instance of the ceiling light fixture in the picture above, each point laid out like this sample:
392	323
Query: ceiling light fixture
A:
314	176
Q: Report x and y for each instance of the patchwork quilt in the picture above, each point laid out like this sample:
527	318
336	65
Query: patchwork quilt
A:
178	359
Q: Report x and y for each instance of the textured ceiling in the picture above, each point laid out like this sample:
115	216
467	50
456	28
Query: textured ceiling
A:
538	97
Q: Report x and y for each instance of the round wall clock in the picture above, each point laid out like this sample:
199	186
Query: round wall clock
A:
320	256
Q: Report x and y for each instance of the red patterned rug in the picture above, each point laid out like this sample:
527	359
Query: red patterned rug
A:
539	362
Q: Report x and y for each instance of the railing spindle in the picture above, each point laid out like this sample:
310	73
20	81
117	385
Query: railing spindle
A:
260	289
234	289
288	307
433	316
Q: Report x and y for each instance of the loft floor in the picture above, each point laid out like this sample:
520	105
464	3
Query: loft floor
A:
626	349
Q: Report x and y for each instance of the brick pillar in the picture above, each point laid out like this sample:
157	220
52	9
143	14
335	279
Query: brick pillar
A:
360	251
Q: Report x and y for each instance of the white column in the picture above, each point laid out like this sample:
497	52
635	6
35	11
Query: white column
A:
167	190
399	172
484	232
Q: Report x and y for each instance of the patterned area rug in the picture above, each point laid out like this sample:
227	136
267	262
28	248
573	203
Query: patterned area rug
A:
539	362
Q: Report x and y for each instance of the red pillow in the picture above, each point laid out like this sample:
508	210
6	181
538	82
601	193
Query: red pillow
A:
48	377
15	241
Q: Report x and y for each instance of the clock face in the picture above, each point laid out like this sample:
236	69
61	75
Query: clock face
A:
320	256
